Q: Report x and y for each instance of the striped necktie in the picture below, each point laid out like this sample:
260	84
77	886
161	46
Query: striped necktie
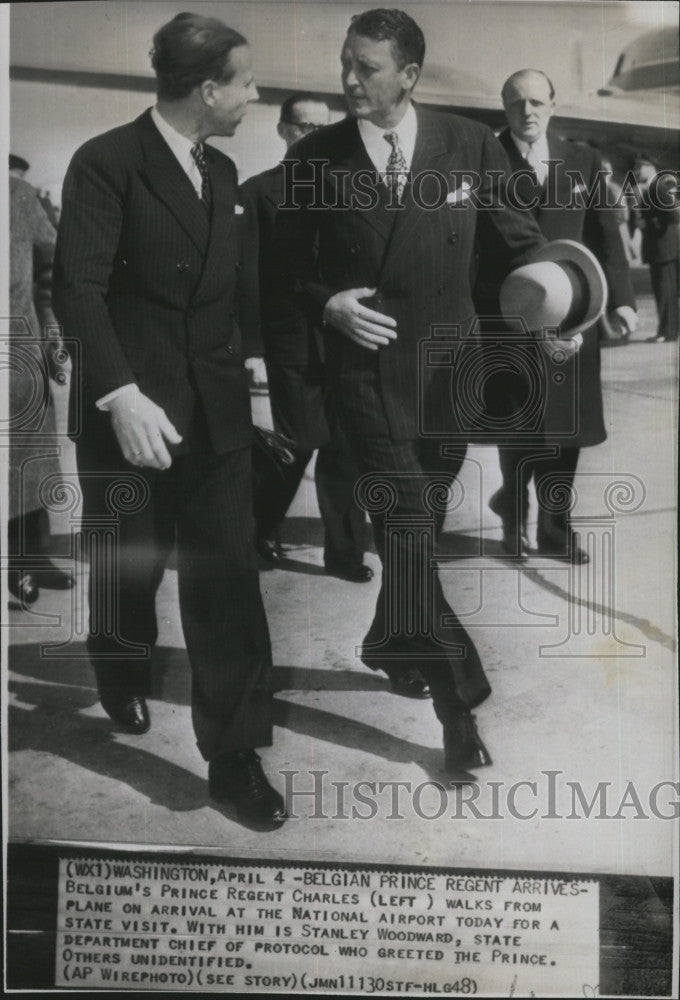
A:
396	173
201	163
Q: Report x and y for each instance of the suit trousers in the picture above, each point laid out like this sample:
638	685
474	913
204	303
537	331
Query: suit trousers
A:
553	476
404	490
664	278
303	410
204	503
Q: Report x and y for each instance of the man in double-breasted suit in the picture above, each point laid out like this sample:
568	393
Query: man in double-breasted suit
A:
380	231
146	279
564	187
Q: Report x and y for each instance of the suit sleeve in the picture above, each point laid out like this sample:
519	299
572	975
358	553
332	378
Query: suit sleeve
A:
602	235
296	233
89	232
249	316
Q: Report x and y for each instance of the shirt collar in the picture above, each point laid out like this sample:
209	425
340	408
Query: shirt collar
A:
178	143
373	136
540	147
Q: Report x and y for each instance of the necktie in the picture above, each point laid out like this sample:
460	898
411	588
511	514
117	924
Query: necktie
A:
396	173
201	163
537	165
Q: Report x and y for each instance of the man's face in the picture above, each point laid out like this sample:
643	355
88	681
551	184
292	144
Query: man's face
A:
228	102
305	117
644	171
528	106
374	85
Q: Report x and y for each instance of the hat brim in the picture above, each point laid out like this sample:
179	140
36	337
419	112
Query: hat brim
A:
582	258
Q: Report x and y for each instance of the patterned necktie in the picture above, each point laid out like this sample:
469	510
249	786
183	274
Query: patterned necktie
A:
396	173
201	163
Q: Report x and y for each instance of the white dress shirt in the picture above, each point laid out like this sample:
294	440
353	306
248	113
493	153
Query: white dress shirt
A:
536	154
181	148
377	146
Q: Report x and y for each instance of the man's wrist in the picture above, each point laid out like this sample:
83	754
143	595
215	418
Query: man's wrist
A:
104	402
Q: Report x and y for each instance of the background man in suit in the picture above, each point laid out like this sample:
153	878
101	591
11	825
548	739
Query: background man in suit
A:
561	205
33	362
301	408
147	272
379	265
659	220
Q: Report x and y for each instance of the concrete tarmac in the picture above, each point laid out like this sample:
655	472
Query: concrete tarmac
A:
580	724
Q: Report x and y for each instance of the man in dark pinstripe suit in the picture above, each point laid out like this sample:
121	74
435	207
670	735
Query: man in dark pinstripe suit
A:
389	257
146	280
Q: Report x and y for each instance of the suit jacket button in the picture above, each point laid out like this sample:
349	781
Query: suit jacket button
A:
182	266
355	249
441	289
238	265
453	238
230	349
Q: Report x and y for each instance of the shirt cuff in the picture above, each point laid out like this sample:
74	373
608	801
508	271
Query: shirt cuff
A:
103	402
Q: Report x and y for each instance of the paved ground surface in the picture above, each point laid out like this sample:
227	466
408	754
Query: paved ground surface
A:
582	665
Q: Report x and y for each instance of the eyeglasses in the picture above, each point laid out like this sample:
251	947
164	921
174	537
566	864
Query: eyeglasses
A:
304	127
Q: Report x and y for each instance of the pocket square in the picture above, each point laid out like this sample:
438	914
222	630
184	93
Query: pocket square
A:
460	194
238	209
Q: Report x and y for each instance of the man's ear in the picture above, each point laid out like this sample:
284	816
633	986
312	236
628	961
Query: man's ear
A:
280	128
207	91
411	73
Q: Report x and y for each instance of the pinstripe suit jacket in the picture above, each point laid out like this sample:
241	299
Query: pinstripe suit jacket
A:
147	284
422	260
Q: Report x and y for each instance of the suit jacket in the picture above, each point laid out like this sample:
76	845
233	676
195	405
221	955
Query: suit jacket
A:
660	232
147	283
573	409
288	336
422	260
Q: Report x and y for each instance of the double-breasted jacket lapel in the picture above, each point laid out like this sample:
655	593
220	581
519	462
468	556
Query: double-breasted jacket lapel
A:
170	183
431	153
222	245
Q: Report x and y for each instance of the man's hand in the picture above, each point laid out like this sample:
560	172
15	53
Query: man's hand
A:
366	327
623	321
567	348
140	427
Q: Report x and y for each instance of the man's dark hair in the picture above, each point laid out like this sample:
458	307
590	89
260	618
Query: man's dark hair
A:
384	23
189	50
297	98
18	162
523	72
640	158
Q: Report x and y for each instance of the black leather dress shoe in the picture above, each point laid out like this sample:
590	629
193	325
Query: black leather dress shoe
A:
238	779
355	573
54	578
23	586
129	711
463	746
269	548
515	542
410	684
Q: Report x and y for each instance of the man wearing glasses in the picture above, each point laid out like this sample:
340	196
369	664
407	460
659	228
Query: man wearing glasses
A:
293	350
